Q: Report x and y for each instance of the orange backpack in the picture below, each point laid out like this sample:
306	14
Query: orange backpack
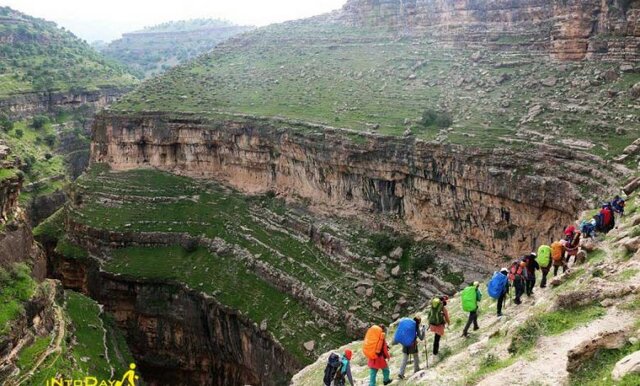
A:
373	341
557	250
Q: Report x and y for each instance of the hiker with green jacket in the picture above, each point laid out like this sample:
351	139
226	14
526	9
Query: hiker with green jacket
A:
470	298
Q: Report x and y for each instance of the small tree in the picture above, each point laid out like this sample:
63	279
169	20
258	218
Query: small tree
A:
50	140
19	133
5	123
39	121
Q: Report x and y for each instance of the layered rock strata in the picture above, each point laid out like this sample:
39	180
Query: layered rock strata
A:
499	201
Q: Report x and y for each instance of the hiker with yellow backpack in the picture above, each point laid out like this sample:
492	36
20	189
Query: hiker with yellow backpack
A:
375	349
543	259
470	298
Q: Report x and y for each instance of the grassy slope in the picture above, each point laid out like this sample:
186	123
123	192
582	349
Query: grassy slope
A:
44	57
16	287
355	77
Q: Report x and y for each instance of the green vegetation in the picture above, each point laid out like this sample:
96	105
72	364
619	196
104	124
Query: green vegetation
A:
43	57
551	323
597	370
16	287
489	364
29	355
68	249
51	229
363	78
158	48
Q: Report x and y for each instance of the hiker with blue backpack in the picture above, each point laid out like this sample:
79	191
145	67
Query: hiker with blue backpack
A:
407	334
470	298
498	288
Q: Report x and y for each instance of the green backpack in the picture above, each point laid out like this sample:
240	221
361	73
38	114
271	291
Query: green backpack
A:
469	299
436	315
544	256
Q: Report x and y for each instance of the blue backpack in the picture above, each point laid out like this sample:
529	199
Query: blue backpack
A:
496	285
406	332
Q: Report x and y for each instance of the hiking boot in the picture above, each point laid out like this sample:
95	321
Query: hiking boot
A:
465	335
400	376
476	328
499	315
387	382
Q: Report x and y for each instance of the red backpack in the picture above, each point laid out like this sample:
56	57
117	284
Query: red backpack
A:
515	270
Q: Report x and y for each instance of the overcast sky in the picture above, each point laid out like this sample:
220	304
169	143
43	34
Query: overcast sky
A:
107	19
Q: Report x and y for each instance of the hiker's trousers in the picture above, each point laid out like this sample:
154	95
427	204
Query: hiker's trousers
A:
405	360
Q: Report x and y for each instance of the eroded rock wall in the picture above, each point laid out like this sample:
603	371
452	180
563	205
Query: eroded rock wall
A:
179	336
567	29
502	202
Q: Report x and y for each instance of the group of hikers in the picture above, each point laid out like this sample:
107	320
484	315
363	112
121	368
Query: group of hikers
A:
521	276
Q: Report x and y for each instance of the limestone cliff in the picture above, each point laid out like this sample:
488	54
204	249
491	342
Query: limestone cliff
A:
568	30
500	201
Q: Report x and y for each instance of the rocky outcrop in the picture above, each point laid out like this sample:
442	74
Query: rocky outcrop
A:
479	199
568	30
179	336
20	106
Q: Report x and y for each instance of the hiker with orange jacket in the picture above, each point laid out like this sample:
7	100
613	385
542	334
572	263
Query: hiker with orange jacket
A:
376	350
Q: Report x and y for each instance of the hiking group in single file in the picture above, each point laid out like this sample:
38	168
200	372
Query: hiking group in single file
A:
521	276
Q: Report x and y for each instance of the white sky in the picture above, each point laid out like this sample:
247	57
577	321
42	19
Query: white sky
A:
107	19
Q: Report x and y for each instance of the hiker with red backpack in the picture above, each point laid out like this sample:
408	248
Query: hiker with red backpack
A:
608	222
498	288
438	319
470	298
517	274
572	247
375	349
407	334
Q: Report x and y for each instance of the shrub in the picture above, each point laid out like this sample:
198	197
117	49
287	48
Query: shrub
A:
190	245
48	156
39	121
423	261
19	133
441	119
5	123
50	140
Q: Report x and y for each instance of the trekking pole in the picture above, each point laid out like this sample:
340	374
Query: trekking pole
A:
426	351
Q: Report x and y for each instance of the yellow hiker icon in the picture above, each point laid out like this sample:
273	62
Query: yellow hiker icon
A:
129	378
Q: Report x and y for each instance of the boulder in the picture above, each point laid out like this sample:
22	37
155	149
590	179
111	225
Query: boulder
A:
627	365
627	68
631	186
369	292
376	305
611	75
632	244
584	351
588	245
361	291
381	273
581	257
550	81
396	254
263	325
395	271
635	91
310	345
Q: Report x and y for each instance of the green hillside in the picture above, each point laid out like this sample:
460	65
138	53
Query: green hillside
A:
371	79
158	48
39	56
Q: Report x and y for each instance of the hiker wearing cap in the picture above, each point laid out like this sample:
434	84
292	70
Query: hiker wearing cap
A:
344	373
470	298
412	349
530	277
438	318
380	361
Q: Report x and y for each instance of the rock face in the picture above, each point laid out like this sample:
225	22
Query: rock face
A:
483	198
567	30
25	105
181	337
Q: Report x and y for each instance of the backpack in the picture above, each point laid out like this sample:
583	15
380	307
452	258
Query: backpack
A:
557	250
373	341
543	257
333	364
515	270
339	379
496	286
406	332
469	299
436	314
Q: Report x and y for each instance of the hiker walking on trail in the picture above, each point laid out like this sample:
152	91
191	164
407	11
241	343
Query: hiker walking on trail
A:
606	214
470	298
618	205
438	318
572	247
557	256
543	259
417	332
498	288
375	349
530	277
344	371
517	274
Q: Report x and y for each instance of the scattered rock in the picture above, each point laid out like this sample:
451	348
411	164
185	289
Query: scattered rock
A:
632	244
505	104
631	186
635	91
376	305
395	271
584	351
263	325
381	273
627	365
550	81
412	76
310	345
407	133
581	257
361	291
533	112
396	254
369	292
611	75
476	56
627	68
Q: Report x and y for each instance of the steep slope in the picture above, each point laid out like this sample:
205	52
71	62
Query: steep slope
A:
155	49
571	333
43	67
